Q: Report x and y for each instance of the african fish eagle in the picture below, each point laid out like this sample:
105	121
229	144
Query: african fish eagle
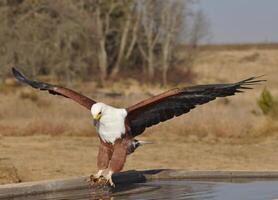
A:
118	127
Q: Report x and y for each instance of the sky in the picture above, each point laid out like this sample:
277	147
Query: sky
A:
241	21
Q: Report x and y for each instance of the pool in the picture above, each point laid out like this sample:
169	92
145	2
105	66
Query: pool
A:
214	190
154	184
175	189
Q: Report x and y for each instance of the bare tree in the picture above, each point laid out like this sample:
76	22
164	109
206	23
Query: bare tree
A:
149	33
73	39
103	26
50	37
199	29
172	17
134	33
196	31
128	28
116	21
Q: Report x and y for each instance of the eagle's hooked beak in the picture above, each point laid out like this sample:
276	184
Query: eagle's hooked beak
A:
96	118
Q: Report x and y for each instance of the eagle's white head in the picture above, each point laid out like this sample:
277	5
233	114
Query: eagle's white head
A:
97	110
109	121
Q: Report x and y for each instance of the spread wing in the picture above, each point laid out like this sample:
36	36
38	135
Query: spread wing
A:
55	90
179	101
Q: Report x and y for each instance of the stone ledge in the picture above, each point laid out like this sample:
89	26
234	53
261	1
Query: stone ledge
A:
124	180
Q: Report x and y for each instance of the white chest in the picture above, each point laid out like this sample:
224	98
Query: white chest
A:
111	125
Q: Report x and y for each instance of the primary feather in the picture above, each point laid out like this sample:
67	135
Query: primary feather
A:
179	101
149	112
55	90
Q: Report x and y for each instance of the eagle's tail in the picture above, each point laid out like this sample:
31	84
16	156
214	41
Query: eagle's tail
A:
141	142
135	144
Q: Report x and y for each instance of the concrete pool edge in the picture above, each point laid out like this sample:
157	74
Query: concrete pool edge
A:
75	183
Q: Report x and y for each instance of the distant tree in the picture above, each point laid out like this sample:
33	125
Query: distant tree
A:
47	37
97	39
165	24
196	30
127	34
115	20
172	17
149	32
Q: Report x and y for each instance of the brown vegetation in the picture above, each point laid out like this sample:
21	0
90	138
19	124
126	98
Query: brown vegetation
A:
75	42
95	40
231	133
238	47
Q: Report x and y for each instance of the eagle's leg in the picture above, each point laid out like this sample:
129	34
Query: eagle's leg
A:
103	158
118	159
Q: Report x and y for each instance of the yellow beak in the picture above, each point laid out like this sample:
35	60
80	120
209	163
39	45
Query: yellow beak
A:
97	116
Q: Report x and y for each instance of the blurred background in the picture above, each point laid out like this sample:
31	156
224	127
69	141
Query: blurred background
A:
121	52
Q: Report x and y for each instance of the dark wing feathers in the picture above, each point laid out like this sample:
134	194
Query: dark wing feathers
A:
156	109
55	90
179	101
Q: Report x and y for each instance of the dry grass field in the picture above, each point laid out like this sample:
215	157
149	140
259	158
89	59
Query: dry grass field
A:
44	136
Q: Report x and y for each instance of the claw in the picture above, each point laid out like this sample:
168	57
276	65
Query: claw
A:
108	178
102	177
95	177
98	174
111	182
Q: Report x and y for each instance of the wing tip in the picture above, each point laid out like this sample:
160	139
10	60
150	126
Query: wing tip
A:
253	80
17	74
248	83
14	70
38	85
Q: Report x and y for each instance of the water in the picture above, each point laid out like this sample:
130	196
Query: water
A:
209	190
178	189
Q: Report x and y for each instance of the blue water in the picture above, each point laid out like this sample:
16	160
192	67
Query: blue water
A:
175	189
201	190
